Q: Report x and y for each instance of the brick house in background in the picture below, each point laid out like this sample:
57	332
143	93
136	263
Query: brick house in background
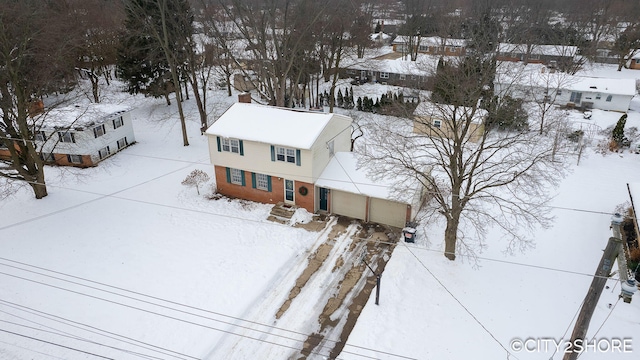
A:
270	155
81	135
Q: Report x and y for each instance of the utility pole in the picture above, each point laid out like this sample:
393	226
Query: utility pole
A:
595	290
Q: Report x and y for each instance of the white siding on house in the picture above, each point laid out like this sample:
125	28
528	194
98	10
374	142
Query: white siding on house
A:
338	130
257	158
86	143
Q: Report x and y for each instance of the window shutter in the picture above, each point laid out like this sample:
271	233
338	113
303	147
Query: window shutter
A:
114	123
269	183
228	175
298	157
73	138
253	180
218	140
242	175
241	147
273	153
95	133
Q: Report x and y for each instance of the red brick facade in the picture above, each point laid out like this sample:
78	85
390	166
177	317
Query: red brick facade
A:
274	196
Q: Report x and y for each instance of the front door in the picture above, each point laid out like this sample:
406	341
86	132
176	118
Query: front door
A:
324	199
288	191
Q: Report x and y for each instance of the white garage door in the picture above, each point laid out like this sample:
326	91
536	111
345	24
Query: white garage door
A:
348	204
387	212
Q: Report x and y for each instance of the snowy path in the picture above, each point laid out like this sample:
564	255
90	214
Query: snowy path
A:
301	316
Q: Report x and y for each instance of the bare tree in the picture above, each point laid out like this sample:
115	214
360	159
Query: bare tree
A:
627	45
97	50
476	176
195	179
37	46
274	34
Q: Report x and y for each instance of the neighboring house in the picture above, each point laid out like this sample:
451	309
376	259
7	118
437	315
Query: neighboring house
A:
432	45
634	62
568	90
391	69
551	55
82	136
381	38
271	155
435	120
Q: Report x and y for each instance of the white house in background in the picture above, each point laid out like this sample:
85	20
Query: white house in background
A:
84	135
271	155
537	83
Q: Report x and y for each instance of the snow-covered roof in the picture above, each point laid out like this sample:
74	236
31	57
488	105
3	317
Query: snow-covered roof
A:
342	173
424	65
432	41
379	36
549	50
272	125
82	115
537	75
427	108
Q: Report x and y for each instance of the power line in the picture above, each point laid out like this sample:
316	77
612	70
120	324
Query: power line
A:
460	303
70	323
56	344
59	333
35	351
177	310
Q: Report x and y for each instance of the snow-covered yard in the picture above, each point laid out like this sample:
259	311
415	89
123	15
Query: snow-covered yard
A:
125	248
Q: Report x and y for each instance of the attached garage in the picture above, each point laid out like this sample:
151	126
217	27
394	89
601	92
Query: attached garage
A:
349	204
387	212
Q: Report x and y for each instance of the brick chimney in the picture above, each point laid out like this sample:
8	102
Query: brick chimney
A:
244	97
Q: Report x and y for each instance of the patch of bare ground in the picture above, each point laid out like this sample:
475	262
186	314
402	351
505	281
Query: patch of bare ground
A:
378	252
315	261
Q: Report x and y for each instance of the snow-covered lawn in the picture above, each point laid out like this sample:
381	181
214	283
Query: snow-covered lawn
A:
129	223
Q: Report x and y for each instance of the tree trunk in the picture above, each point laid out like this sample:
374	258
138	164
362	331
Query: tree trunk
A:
39	189
451	236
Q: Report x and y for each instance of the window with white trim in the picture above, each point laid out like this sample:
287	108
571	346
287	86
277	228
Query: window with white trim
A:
286	154
230	145
66	137
74	159
40	136
104	152
384	75
118	122
609	97
236	176
403	77
98	130
598	96
437	123
262	182
122	143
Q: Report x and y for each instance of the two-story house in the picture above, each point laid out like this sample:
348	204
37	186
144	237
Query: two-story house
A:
269	154
434	119
82	135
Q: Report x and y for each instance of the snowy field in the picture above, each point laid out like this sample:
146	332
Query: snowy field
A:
123	255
